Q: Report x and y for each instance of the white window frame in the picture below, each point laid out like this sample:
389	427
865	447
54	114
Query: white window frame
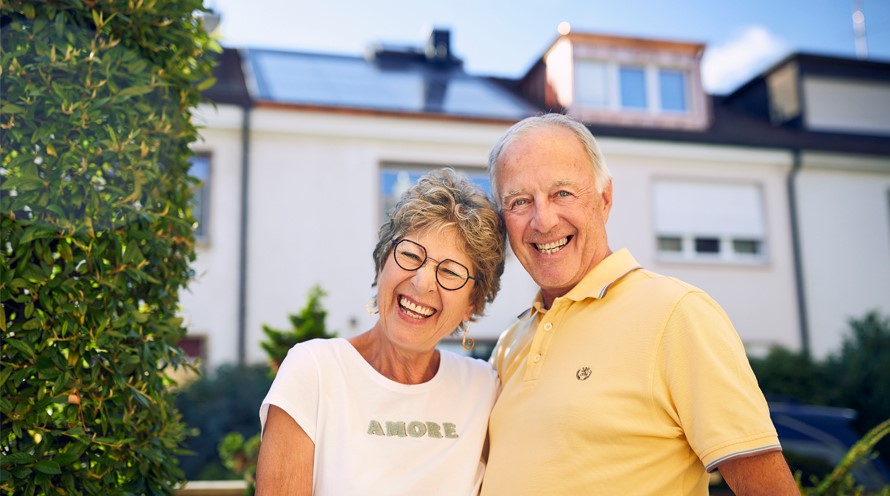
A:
652	83
686	239
202	192
411	172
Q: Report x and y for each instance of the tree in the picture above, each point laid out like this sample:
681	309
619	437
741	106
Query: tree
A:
306	325
861	370
240	454
97	240
861	374
857	376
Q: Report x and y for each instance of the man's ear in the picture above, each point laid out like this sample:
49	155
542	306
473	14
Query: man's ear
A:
606	196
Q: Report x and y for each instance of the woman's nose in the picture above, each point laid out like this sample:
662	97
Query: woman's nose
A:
425	277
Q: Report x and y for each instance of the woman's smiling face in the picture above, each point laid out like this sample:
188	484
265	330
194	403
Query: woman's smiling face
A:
415	311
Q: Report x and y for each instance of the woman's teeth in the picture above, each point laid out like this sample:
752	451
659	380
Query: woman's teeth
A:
414	310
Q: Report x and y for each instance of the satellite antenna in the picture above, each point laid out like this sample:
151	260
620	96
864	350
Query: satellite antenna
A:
859	30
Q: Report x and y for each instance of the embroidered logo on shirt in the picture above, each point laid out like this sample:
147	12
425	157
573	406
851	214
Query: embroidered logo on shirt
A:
413	429
583	373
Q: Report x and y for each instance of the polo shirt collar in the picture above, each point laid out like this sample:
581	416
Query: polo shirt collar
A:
596	283
606	273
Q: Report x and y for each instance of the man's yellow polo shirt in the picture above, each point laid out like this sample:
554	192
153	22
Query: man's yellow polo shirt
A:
632	383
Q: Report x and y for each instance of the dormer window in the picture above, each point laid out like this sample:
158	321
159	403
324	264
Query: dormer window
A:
622	81
611	86
632	84
673	90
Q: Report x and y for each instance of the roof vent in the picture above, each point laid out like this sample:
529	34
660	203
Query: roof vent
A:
438	47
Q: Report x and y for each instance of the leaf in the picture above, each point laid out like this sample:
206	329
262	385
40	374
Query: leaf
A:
18	458
48	467
133	254
35	232
66	458
11	108
207	83
4	375
134	91
21	345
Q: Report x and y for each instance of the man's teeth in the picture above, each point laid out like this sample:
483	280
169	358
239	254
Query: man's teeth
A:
415	310
551	248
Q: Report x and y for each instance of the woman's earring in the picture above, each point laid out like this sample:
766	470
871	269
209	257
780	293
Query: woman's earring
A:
371	307
467	343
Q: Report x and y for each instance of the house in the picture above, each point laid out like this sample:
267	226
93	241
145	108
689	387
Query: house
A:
765	197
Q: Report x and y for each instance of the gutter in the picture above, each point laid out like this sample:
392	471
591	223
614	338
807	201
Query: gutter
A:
242	242
797	255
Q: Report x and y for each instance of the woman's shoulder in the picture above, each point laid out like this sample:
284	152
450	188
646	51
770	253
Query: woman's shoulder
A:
474	368
319	348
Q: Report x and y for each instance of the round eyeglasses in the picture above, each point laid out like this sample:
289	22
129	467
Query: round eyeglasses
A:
411	256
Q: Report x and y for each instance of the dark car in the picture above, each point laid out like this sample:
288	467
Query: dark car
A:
816	438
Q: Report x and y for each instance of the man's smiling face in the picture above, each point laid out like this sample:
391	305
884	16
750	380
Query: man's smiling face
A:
555	217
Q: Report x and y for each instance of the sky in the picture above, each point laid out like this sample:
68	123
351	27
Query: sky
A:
504	38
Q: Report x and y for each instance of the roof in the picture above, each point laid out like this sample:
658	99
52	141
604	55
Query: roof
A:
431	82
741	118
388	80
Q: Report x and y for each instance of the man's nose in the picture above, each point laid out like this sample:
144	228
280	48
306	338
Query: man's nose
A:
545	217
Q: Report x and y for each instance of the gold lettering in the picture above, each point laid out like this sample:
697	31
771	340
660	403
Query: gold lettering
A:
395	429
375	429
416	429
450	430
434	430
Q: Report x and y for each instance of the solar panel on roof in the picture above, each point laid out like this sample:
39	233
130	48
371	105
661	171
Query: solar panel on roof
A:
354	82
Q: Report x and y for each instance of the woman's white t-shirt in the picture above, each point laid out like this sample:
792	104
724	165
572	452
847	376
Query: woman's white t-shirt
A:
374	436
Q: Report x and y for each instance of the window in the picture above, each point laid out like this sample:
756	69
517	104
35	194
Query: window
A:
707	245
633	87
709	221
608	85
195	347
592	81
395	179
200	170
672	85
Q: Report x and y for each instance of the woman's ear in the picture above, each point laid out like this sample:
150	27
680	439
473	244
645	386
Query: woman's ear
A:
469	313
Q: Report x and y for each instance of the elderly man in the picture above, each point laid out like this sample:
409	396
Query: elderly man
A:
617	380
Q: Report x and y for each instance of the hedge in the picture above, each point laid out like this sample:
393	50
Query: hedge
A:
96	226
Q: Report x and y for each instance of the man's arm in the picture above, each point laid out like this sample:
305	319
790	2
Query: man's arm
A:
766	474
286	457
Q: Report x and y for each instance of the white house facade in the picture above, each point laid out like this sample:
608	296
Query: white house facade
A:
782	215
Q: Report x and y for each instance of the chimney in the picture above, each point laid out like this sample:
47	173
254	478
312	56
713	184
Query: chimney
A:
438	47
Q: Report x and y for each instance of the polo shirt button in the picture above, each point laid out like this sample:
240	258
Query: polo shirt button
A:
548	326
537	358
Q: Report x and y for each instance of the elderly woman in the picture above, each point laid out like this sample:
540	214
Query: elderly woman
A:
385	412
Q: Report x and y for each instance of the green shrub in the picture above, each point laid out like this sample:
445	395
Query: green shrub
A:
857	376
306	325
239	452
97	240
860	373
840	481
786	374
227	401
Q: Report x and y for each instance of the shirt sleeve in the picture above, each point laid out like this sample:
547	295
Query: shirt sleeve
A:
711	388
296	389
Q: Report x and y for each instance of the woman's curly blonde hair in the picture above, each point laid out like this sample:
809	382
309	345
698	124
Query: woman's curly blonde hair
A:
444	198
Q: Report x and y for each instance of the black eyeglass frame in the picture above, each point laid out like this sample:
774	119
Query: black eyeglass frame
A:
397	241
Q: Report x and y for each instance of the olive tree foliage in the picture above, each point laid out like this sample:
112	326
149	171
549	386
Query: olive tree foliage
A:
95	239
